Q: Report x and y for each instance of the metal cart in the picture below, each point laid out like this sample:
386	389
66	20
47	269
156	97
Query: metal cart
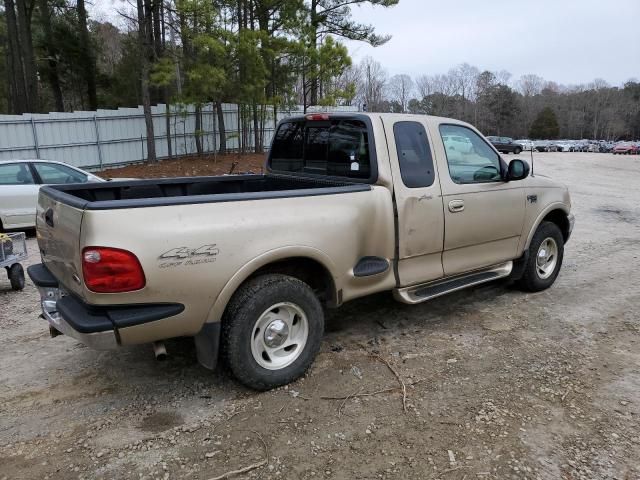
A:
13	249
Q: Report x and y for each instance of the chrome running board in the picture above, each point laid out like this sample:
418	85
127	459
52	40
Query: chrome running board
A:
427	291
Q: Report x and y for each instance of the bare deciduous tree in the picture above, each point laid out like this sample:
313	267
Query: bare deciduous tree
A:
371	88
401	89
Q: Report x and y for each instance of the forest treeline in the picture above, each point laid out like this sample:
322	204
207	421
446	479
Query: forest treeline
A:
267	55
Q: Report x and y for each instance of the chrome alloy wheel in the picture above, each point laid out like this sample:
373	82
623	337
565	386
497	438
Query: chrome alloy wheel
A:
279	336
547	258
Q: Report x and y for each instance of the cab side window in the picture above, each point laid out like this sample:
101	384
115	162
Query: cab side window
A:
414	154
470	160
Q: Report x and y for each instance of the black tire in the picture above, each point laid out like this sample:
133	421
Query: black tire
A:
245	308
16	276
517	151
531	280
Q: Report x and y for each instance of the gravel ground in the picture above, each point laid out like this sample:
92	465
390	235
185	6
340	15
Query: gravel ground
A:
500	384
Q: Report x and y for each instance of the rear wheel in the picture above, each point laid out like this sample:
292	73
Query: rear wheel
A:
545	258
271	331
517	151
16	276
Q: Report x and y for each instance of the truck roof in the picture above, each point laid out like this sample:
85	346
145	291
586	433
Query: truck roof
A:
386	116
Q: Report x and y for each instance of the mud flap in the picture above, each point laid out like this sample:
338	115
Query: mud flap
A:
208	345
519	266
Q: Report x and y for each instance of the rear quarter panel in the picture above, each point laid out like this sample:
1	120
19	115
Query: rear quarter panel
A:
231	241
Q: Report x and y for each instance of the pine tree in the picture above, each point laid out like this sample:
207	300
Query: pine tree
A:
545	126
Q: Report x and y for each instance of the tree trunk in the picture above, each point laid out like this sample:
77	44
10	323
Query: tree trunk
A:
28	58
313	73
88	59
17	89
144	26
157	42
157	30
223	133
52	55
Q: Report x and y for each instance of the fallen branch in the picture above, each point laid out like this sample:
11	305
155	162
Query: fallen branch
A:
365	394
345	401
370	394
248	468
404	386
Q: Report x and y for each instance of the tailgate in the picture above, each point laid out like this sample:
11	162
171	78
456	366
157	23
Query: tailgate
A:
58	229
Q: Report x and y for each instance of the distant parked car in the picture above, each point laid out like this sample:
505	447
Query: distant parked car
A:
505	145
20	182
527	145
545	146
606	147
564	146
593	147
625	148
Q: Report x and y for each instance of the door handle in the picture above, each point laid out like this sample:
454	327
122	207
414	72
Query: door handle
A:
456	206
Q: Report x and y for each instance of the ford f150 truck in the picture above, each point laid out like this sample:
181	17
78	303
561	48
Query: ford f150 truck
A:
349	205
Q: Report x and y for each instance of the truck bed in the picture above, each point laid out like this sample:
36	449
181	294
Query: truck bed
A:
192	190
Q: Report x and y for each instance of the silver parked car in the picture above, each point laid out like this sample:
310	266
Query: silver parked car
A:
20	182
527	145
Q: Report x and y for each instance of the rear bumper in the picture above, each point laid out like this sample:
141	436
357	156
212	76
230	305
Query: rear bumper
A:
95	326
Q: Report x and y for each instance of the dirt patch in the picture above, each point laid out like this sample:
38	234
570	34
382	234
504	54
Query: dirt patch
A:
160	421
190	167
613	214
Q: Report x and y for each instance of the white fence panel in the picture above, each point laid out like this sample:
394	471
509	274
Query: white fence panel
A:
118	137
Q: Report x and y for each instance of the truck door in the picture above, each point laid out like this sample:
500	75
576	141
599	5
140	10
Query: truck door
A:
418	199
483	214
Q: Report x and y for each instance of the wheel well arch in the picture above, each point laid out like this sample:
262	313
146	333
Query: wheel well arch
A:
309	265
556	213
305	269
560	218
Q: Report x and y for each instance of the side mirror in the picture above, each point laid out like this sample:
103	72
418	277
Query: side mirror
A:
518	170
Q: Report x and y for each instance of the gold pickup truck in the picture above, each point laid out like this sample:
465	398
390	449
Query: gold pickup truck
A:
350	205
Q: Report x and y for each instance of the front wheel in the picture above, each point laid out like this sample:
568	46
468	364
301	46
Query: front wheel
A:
545	258
517	151
271	331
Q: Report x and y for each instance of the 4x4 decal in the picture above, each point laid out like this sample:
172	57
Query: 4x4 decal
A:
183	256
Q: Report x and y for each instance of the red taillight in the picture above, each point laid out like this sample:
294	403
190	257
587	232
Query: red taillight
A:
317	116
111	270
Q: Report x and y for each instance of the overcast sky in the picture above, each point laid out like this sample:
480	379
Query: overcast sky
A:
567	41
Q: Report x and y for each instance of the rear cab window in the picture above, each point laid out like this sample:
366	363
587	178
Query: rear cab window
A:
414	154
330	146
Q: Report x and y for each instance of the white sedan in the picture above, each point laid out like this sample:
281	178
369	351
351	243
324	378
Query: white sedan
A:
20	181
